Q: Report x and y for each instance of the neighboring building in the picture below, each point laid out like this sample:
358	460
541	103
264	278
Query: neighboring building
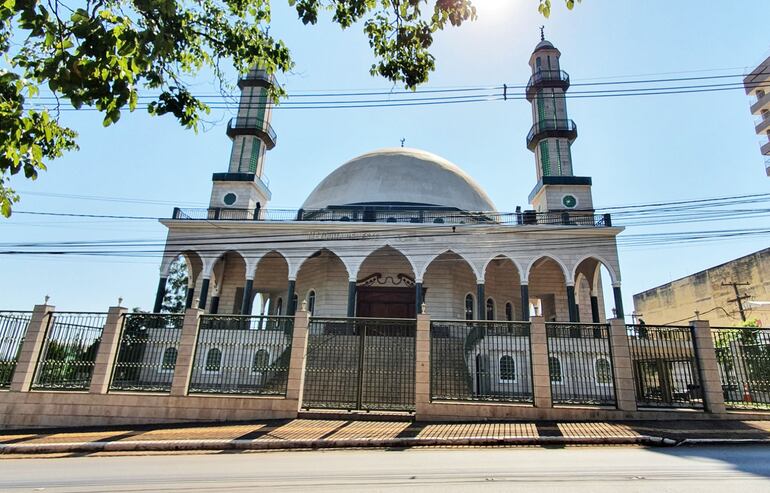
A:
712	294
757	84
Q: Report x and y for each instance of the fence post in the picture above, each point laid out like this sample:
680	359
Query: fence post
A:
422	364
541	373
298	358
26	364
184	359
622	368
711	385
108	348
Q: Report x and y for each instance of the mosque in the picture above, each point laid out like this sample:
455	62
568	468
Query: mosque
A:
396	230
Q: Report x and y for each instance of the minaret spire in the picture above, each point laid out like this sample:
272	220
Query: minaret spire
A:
552	132
243	186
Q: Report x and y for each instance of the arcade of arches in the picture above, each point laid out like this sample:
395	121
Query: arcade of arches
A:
387	285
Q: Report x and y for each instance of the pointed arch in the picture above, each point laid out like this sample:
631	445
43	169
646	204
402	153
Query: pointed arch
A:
380	255
568	278
211	262
614	275
503	256
433	258
318	253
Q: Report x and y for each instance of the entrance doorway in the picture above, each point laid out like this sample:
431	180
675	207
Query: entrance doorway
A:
376	302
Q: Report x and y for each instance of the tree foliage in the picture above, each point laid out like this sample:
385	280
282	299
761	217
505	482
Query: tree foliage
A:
103	53
176	287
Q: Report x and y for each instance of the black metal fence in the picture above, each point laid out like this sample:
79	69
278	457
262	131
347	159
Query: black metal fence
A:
241	354
360	363
69	351
743	355
149	344
13	327
580	364
665	366
480	361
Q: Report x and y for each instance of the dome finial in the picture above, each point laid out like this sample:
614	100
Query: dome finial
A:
542	33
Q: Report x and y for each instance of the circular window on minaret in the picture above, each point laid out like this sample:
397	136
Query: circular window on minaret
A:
230	199
569	201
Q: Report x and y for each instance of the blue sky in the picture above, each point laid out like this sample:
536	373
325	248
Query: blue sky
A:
638	150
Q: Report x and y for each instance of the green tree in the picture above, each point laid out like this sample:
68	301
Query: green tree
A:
103	53
176	287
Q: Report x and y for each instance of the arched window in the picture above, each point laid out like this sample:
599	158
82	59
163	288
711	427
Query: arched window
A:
261	361
214	360
294	300
168	362
490	309
603	372
509	311
279	306
554	367
469	305
311	302
507	369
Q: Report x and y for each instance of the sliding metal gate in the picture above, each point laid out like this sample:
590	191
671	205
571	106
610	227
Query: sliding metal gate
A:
360	364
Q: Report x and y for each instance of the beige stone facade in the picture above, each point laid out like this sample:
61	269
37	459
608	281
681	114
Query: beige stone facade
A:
710	292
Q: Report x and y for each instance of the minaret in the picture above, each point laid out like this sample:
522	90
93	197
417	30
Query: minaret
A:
552	135
242	186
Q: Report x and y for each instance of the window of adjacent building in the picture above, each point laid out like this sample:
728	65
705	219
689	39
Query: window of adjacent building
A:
509	311
490	309
311	302
214	360
507	369
261	361
168	362
554	368
603	372
469	305
760	94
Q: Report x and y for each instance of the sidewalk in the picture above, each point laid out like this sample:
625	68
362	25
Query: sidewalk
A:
341	433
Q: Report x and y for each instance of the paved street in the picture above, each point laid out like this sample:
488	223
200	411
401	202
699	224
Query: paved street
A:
605	469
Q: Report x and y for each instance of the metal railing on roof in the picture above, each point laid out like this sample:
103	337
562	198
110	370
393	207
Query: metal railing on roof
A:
396	216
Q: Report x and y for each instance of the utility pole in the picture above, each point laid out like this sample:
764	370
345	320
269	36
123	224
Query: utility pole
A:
738	298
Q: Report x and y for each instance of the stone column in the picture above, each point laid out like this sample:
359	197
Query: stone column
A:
298	358
524	302
541	373
352	298
622	367
571	305
417	296
108	350
159	295
481	302
595	309
246	301
204	294
618	301
34	338
422	366
711	385
185	357
290	308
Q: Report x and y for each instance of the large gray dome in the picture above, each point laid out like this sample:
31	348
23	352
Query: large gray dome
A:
399	176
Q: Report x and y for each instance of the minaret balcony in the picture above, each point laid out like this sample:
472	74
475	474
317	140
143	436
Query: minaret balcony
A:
256	78
546	79
252	126
545	129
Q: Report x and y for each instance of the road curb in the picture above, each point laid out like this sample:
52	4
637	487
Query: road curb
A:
214	445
